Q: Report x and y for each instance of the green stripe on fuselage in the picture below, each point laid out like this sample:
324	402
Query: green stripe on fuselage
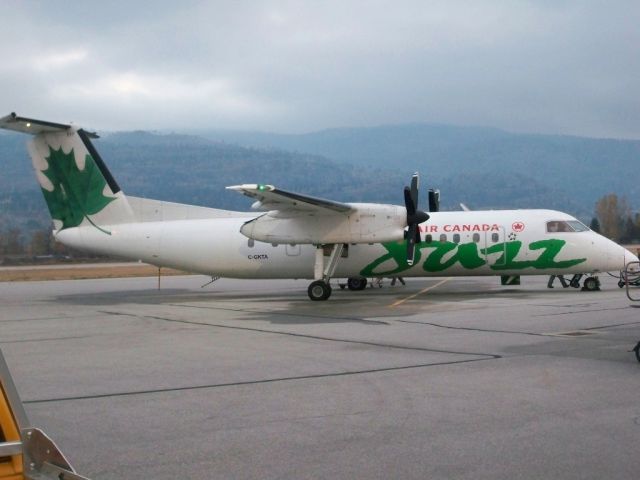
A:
470	257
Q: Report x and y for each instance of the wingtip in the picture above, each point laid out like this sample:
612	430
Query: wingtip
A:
251	187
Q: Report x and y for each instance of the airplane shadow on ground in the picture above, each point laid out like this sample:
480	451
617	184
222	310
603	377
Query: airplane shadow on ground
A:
251	307
292	307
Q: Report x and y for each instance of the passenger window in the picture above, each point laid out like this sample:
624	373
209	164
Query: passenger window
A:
428	239
476	237
456	238
495	237
443	237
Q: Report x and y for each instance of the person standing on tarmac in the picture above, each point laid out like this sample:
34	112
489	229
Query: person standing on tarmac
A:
560	277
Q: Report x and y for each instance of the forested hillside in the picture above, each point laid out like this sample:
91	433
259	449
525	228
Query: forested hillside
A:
574	169
483	168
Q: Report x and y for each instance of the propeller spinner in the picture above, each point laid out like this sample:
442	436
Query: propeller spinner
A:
414	217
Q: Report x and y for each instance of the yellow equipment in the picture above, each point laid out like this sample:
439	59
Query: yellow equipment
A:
26	453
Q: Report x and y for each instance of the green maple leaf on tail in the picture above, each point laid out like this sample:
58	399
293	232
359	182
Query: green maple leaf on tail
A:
76	193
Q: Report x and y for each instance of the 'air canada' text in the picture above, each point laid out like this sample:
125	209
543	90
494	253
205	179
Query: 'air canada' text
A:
476	227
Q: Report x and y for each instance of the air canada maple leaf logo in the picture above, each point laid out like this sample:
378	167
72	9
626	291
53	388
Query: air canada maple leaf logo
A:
76	193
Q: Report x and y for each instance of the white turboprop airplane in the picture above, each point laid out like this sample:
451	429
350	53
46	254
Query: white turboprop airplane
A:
299	236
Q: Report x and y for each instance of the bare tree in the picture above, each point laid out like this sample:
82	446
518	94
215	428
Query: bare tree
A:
612	213
40	242
13	242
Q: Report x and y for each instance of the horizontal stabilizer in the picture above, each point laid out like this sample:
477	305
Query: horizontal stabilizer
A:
35	127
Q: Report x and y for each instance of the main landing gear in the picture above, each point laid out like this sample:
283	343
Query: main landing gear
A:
356	283
320	289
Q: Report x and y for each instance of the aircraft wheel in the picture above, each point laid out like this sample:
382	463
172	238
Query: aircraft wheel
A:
591	284
319	290
356	283
637	350
620	283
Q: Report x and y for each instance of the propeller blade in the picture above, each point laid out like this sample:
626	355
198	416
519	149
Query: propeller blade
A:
411	243
414	189
434	200
414	218
409	203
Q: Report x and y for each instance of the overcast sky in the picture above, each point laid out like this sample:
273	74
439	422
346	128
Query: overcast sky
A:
541	66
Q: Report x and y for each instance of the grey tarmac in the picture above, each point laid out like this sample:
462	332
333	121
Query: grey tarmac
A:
441	378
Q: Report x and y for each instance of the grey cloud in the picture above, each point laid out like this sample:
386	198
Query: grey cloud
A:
555	67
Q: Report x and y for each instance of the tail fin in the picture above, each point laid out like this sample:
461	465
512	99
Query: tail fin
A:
76	184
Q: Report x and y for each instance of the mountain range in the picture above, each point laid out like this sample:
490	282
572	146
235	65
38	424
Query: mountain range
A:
481	167
577	170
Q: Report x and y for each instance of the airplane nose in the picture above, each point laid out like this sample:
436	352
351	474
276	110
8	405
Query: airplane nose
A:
633	259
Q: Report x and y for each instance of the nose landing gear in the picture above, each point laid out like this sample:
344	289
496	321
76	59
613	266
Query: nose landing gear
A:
591	284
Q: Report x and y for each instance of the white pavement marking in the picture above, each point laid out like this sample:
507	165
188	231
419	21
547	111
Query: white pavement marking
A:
424	290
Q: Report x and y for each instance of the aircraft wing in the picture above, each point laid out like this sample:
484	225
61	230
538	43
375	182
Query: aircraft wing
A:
271	198
294	218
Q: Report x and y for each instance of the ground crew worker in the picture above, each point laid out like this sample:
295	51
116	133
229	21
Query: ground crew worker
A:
560	277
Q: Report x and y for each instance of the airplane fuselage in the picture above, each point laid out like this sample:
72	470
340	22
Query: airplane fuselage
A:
500	242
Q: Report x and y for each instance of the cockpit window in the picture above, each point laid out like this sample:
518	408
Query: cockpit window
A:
566	226
578	226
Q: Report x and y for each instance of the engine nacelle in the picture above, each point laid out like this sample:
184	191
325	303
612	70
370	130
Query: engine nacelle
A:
366	223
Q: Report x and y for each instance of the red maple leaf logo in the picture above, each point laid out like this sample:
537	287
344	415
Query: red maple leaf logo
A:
517	227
